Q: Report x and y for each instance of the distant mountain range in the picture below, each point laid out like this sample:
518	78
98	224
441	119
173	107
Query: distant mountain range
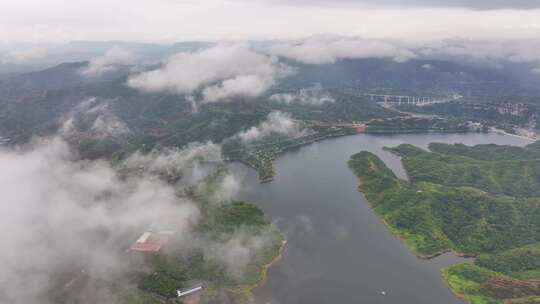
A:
39	102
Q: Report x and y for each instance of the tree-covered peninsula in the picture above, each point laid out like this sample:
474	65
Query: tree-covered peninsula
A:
481	201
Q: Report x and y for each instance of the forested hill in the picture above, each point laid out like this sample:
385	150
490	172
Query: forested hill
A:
508	170
482	201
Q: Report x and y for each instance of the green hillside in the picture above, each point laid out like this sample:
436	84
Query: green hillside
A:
481	201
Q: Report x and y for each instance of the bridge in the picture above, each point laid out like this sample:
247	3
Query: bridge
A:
388	100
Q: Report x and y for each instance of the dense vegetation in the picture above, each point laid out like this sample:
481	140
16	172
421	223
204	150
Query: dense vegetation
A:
522	262
417	125
495	169
480	200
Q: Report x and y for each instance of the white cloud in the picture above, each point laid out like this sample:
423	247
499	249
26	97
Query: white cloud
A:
61	216
330	48
238	252
109	124
313	96
244	85
173	160
427	66
229	187
536	70
276	123
92	117
319	50
114	57
514	50
25	55
220	72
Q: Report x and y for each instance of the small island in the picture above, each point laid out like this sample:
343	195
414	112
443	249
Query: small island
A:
481	201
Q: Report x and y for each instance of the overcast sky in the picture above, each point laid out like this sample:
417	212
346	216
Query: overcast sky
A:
474	4
175	20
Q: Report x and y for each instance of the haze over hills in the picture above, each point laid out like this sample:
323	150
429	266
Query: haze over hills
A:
128	130
120	101
52	93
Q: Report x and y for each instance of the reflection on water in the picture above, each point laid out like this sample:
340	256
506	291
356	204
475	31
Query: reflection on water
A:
338	250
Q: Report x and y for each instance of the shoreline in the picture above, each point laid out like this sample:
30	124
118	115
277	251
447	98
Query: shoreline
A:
499	131
403	240
429	257
270	178
265	268
419	256
247	290
446	281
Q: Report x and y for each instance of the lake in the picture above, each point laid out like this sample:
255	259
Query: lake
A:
338	250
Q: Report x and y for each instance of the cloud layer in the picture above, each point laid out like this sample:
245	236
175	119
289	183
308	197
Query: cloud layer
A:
313	96
92	117
473	4
325	49
177	162
329	49
276	123
63	216
100	20
217	73
23	56
513	50
114	57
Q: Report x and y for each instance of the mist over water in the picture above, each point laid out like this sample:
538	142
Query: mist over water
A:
338	250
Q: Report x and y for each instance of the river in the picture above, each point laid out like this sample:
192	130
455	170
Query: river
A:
338	250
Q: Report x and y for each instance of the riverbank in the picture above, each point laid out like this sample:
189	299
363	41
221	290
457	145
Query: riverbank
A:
262	162
396	233
261	157
245	293
531	138
265	268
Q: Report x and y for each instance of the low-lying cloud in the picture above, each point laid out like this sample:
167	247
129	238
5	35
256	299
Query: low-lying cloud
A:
228	189
68	224
177	162
312	96
326	49
218	73
93	117
110	61
25	55
276	123
320	50
239	251
62	217
517	50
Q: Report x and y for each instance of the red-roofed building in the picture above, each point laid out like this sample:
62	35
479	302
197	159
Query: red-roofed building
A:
151	241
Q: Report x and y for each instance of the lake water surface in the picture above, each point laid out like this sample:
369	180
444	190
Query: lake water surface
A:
338	250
